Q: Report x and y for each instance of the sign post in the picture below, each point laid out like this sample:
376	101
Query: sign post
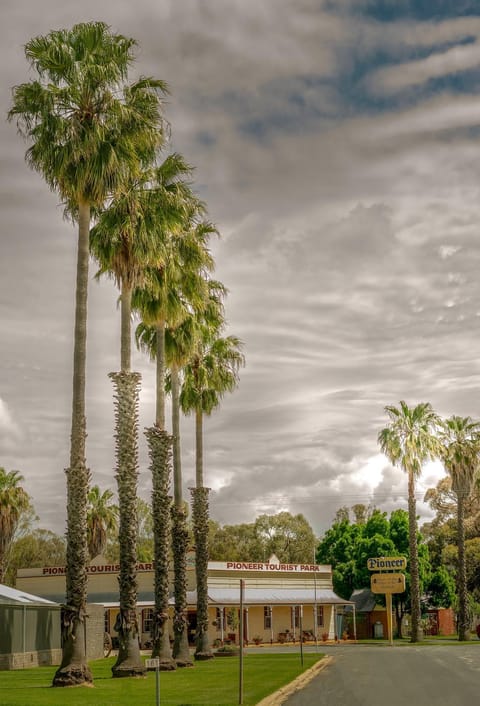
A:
240	673
155	664
388	582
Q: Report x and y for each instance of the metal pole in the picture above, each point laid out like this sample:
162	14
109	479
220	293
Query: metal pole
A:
301	634
388	597
240	680
315	607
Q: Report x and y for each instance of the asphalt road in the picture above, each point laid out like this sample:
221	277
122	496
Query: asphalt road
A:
404	675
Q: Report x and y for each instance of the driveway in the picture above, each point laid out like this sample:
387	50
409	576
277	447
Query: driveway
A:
403	675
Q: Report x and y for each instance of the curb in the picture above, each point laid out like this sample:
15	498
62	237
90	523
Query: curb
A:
280	696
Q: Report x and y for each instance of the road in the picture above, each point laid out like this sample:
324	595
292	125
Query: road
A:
404	675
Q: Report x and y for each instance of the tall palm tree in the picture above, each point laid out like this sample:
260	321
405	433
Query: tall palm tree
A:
14	501
179	343
88	129
408	442
127	239
209	374
157	300
167	295
102	518
460	453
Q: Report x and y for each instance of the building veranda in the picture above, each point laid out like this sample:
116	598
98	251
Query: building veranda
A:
281	602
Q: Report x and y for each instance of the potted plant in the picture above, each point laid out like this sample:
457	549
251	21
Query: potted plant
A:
257	639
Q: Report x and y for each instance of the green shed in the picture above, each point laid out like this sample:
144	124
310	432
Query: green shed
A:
30	632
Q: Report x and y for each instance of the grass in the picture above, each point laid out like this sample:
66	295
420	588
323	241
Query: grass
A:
211	683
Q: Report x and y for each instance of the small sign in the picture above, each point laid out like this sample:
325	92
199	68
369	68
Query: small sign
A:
387	583
152	663
387	563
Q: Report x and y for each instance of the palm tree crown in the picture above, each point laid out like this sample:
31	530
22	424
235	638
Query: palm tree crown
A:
409	441
14	500
102	518
459	450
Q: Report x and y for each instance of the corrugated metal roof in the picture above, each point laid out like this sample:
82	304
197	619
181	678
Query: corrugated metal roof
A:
9	595
274	596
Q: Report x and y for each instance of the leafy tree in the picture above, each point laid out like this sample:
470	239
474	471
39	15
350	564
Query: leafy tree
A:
234	542
460	453
347	547
145	535
441	588
88	130
14	503
38	547
409	442
288	536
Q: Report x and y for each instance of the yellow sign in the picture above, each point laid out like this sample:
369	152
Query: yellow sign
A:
387	583
387	563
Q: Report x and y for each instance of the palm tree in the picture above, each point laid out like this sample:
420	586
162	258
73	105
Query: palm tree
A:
88	130
210	372
125	240
168	293
102	518
14	501
158	300
460	453
179	343
409	442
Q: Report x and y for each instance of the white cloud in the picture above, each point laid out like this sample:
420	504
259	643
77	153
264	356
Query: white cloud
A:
414	73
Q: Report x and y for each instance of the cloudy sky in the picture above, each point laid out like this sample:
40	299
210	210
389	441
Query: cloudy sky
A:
336	143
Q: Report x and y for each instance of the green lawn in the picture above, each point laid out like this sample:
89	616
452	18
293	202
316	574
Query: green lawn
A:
212	683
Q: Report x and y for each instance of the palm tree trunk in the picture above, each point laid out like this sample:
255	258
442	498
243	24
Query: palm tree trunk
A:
126	326
181	652
463	621
73	668
414	572
200	529
127	385
160	373
160	452
198	448
160	445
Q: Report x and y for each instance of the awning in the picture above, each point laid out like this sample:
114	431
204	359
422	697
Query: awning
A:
274	596
9	595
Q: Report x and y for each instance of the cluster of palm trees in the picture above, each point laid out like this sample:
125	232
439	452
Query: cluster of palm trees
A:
415	435
98	140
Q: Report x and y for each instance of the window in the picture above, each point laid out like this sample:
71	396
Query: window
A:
147	620
320	616
267	617
107	621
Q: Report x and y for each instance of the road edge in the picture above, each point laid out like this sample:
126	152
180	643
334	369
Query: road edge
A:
280	696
